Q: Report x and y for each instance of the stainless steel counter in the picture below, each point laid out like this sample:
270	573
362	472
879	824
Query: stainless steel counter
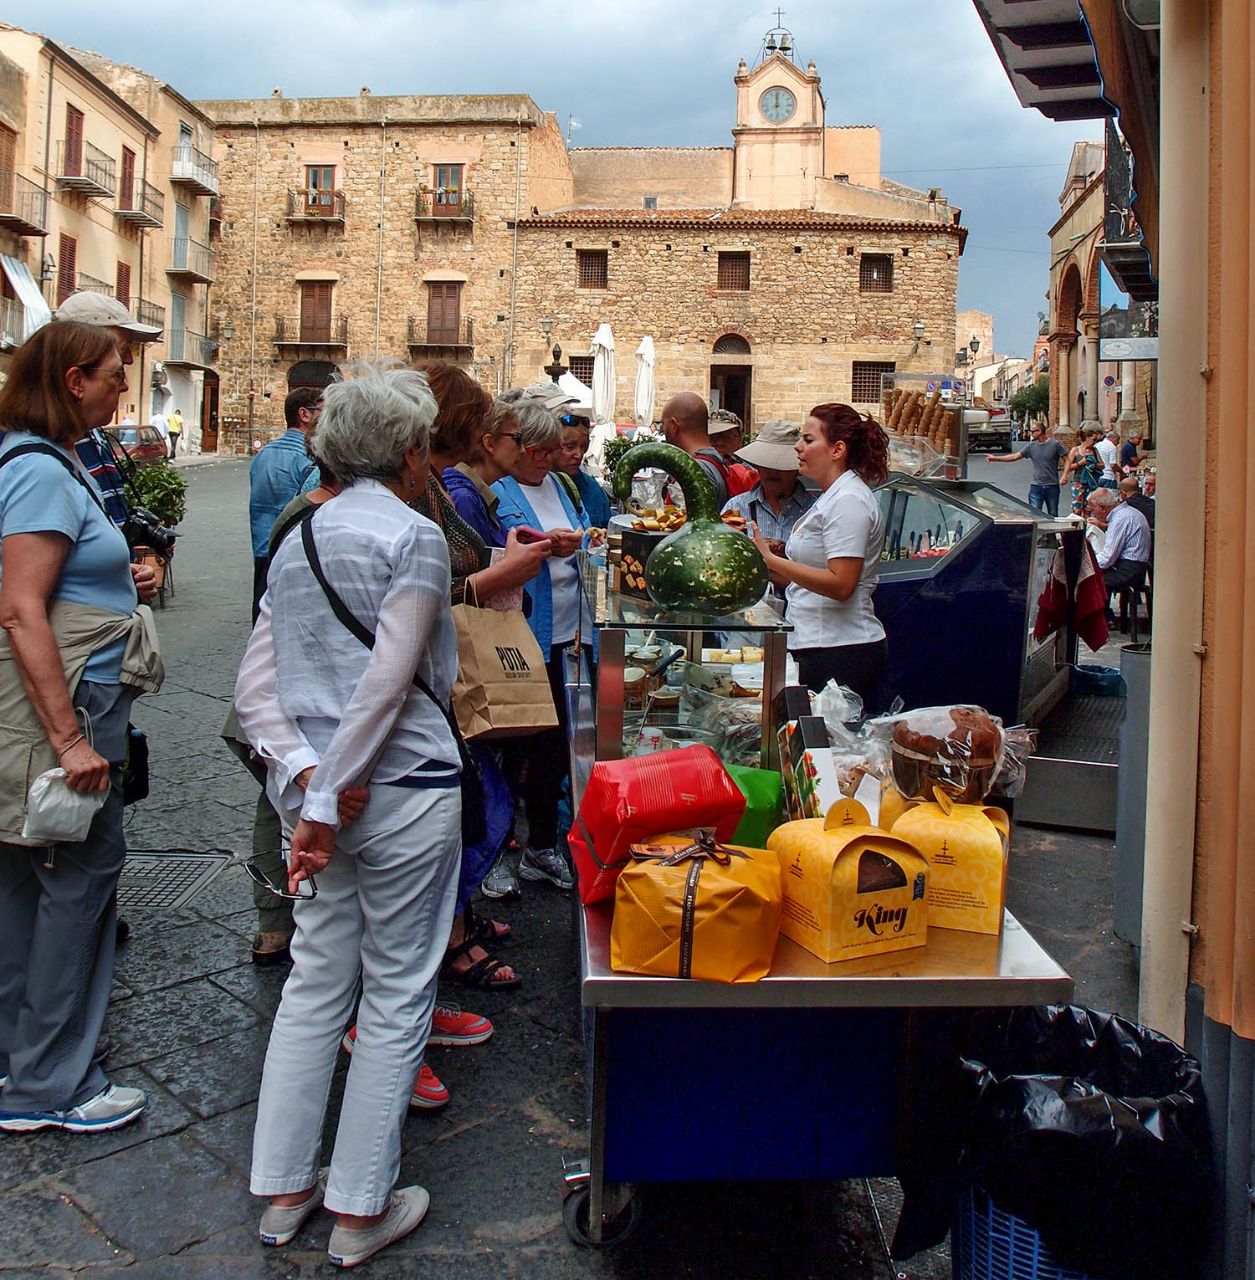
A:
954	970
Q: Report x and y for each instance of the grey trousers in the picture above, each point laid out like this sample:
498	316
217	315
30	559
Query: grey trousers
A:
381	920
274	915
57	939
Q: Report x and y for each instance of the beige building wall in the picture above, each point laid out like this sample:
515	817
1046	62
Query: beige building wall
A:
853	150
804	317
174	370
677	177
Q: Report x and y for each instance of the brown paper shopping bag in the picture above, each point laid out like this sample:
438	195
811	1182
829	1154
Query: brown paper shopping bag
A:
502	687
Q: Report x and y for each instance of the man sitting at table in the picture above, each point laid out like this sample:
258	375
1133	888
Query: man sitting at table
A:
1125	554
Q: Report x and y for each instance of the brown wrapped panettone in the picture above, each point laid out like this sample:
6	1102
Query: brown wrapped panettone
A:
958	749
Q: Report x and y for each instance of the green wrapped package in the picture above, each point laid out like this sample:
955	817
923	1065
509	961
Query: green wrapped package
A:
763	793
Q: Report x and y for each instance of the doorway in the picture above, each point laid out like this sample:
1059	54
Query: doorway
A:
209	415
730	386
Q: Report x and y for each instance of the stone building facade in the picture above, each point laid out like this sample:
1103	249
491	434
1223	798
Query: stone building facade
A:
771	274
363	227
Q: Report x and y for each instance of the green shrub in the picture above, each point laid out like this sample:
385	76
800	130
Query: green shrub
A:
161	489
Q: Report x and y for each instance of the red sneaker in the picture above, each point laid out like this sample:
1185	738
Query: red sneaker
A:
451	1026
428	1093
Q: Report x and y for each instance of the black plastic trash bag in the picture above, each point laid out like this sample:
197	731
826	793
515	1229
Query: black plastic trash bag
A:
1090	1128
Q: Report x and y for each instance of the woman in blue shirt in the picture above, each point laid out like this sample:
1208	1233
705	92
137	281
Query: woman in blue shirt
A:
67	601
531	499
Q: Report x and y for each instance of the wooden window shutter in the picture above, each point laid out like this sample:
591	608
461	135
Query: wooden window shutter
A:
73	140
67	267
8	167
444	307
123	290
126	188
316	310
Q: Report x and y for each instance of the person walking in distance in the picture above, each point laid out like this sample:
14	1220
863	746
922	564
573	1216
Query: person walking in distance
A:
1044	453
174	424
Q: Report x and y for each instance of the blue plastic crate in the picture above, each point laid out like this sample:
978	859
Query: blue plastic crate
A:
990	1244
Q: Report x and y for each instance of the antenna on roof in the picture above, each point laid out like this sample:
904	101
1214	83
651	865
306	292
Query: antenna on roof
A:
571	124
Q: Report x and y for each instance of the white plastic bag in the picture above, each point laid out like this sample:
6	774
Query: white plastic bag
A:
56	813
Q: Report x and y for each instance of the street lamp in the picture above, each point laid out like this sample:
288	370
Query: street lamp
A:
917	331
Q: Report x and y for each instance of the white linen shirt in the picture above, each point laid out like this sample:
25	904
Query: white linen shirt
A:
310	693
1128	537
845	522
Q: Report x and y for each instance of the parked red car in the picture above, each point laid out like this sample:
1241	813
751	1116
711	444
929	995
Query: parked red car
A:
143	445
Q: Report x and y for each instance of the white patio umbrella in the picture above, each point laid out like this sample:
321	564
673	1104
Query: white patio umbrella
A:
603	375
574	387
643	403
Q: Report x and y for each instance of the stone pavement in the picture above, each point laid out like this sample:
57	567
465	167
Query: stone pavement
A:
167	1197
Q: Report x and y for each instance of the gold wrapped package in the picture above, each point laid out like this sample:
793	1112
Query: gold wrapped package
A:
693	908
850	889
966	848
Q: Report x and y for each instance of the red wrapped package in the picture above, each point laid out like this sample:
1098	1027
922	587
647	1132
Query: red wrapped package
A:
628	801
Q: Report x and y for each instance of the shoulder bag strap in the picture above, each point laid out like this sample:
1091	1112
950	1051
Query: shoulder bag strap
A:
352	623
35	447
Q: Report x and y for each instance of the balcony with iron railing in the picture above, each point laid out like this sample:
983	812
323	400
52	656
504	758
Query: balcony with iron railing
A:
192	168
142	206
303	332
86	169
310	206
89	284
184	347
191	260
23	205
12	324
456	206
428	337
151	314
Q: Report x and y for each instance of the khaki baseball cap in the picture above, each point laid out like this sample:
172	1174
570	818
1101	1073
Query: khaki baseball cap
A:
550	395
86	307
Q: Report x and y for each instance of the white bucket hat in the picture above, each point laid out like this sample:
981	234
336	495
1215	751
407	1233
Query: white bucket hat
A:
773	447
87	307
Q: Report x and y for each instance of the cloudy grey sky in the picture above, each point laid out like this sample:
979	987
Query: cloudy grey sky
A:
650	73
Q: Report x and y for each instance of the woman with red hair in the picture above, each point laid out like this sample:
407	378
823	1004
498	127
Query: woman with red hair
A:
830	561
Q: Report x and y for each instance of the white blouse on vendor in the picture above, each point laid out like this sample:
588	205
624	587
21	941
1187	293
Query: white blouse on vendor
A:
846	522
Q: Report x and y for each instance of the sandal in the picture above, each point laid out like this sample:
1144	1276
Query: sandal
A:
479	973
271	948
485	930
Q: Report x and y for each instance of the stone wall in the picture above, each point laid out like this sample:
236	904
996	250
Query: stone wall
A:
380	267
680	177
804	317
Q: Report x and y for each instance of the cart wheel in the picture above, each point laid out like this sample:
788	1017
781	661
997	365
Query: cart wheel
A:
615	1232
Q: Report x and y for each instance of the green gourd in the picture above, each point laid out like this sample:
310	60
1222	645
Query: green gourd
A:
704	567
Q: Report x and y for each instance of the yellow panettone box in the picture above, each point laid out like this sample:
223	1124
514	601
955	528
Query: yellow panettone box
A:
690	907
850	889
966	848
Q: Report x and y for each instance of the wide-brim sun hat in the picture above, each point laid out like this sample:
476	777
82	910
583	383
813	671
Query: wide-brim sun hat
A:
773	447
87	307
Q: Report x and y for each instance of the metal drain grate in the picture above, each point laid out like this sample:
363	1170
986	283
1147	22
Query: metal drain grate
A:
164	881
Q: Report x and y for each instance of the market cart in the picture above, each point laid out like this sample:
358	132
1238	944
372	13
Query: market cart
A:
800	1076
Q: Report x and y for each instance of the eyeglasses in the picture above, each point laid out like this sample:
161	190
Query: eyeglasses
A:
537	451
118	374
572	446
573	420
307	892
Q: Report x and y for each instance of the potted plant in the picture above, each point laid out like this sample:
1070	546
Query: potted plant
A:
158	494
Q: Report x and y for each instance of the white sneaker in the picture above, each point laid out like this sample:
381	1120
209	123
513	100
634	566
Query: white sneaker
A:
279	1223
406	1210
113	1107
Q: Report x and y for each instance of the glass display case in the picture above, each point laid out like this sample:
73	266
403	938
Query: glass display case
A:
963	567
665	679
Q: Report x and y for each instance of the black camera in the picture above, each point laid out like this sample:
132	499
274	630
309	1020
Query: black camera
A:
142	528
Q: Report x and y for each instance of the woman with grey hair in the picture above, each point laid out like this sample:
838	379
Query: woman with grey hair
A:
334	718
532	500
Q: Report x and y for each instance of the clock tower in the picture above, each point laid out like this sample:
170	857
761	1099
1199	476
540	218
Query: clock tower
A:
779	134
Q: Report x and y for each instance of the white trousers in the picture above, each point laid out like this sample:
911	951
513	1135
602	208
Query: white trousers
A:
382	918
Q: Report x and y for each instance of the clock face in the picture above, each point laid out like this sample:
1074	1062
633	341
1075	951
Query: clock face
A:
777	105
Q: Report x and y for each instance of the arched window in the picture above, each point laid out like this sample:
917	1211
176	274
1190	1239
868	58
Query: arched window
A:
312	373
731	344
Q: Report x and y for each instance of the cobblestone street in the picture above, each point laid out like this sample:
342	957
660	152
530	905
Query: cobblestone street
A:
167	1197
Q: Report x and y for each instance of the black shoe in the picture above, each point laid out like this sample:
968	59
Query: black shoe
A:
123	931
